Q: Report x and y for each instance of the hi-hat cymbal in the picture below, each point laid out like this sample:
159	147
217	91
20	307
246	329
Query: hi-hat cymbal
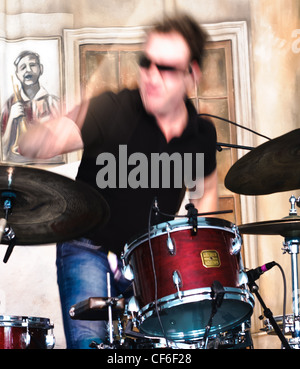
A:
286	227
47	207
269	168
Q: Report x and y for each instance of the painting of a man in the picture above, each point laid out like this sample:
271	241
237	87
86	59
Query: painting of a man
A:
30	103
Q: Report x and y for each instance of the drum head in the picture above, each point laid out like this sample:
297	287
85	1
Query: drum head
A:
187	320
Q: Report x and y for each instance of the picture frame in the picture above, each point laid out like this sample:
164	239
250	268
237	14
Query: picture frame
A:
47	102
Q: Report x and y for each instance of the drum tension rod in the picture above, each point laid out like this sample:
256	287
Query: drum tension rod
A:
7	232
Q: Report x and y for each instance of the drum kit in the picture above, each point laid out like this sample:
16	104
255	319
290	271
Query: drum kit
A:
189	285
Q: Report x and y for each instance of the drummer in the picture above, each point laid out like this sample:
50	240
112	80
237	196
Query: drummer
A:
120	134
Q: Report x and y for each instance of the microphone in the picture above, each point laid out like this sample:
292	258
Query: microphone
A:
254	274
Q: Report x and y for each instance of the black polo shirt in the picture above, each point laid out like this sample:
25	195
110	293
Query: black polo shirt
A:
118	124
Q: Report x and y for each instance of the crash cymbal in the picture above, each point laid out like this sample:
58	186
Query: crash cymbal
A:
269	168
286	227
47	207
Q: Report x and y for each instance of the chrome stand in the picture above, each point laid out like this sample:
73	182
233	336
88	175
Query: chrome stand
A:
291	246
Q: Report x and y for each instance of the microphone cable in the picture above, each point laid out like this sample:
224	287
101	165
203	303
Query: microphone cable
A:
235	124
154	272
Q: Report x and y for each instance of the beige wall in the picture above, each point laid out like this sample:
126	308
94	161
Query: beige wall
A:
276	70
28	281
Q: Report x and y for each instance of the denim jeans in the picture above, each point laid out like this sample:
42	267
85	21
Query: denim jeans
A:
82	269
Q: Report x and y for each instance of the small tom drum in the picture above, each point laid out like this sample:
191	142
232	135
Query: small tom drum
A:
20	332
173	271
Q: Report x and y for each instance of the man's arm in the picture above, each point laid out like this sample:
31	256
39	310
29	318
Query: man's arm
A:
209	201
55	137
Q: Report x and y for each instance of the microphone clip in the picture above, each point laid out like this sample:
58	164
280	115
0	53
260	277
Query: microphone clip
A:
192	214
254	274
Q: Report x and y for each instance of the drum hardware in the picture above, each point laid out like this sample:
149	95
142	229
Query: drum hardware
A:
237	242
110	322
286	324
217	296
101	308
173	216
236	338
268	314
170	242
294	201
127	271
7	232
192	215
289	228
253	275
178	283
291	246
96	308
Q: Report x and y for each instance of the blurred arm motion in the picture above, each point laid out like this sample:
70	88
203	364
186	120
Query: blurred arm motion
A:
209	201
55	137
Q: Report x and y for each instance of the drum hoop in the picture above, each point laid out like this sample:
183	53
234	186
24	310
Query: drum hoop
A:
175	226
189	296
25	321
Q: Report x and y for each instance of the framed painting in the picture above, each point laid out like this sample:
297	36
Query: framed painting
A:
30	92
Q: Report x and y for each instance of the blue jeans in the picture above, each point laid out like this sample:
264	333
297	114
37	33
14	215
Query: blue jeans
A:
82	269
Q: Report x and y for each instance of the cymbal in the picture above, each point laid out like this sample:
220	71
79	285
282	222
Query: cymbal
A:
47	207
269	168
286	227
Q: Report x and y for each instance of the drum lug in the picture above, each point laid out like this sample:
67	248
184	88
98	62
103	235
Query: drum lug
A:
178	283
243	279
237	242
133	305
170	242
26	339
50	342
128	272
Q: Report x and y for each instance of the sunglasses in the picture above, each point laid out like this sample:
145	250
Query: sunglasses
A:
145	62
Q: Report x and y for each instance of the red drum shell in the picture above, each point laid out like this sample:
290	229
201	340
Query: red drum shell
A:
198	260
188	261
20	332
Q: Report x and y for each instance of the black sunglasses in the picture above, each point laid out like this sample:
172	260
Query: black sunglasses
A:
145	62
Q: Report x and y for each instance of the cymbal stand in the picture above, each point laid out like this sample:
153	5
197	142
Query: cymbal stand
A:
268	314
7	232
110	320
291	246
